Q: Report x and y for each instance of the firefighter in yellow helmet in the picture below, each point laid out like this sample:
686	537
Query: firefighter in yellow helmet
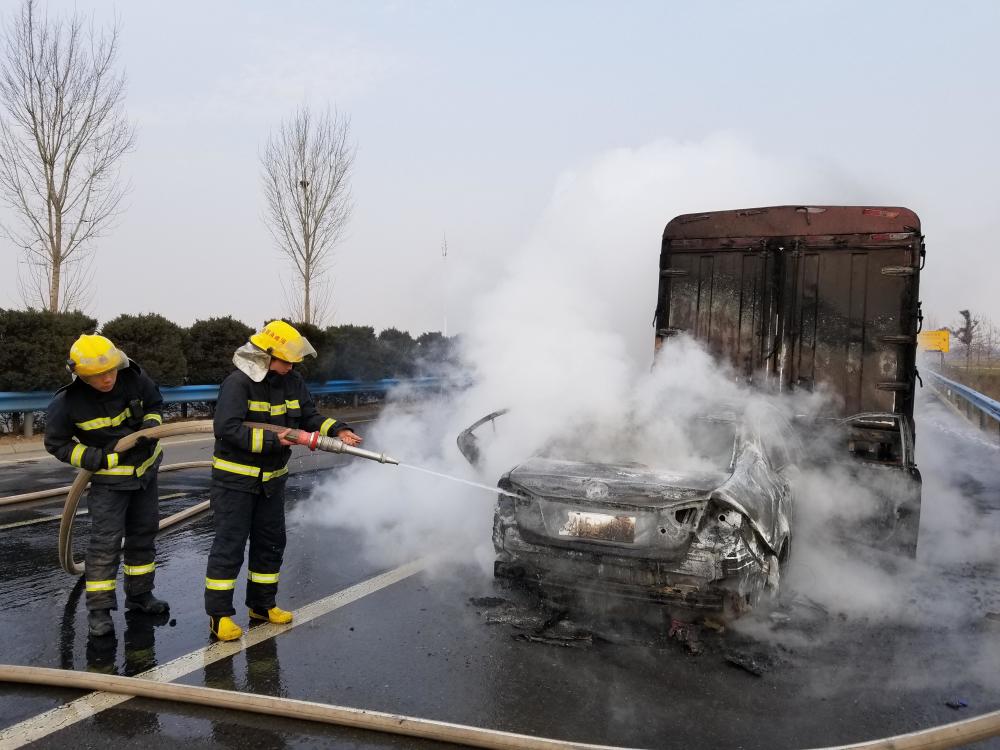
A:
109	397
249	470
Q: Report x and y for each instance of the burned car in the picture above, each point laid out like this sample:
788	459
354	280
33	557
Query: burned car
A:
708	538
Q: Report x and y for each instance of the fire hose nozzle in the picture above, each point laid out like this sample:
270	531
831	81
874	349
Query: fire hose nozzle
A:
336	445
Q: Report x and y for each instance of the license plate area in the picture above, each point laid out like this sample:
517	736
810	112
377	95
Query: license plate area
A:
602	527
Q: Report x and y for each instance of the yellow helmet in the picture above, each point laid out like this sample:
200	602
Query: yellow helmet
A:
92	355
282	341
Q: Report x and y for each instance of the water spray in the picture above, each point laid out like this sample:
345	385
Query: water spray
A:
486	487
314	441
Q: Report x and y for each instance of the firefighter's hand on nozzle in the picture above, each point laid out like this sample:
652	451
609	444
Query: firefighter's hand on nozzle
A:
292	437
349	437
298	437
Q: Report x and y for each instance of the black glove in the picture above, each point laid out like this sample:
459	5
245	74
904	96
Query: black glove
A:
145	442
135	413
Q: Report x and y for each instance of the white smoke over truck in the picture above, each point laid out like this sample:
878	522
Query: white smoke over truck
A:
810	316
823	299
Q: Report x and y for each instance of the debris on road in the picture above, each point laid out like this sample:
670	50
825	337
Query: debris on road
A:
956	704
686	633
534	622
747	662
548	623
516	619
576	640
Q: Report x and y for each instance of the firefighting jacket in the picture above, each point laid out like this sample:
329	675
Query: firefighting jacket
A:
249	458
83	424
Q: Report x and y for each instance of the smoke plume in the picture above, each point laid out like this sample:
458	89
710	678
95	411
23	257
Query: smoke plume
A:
563	338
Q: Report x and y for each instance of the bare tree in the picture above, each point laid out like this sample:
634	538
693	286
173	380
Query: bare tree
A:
992	339
986	341
63	132
306	172
966	333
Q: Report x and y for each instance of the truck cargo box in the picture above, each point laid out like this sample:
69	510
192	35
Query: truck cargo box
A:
801	295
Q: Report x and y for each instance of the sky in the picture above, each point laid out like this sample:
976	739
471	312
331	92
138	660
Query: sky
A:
494	124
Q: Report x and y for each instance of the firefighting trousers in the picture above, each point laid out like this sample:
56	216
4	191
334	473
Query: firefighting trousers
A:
239	516
115	515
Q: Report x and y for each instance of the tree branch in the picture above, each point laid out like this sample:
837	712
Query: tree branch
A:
62	137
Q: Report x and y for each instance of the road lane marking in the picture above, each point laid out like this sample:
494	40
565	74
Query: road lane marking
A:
49	722
33	521
32	457
46	519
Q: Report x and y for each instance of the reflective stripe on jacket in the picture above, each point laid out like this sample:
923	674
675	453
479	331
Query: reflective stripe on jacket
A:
83	424
247	458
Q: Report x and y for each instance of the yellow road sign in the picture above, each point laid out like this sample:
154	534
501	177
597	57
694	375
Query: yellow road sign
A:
934	341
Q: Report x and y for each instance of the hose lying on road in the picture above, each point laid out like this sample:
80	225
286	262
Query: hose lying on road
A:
943	737
48	518
27	497
83	477
286	707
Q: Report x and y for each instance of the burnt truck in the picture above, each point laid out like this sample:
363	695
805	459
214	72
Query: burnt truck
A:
792	298
807	297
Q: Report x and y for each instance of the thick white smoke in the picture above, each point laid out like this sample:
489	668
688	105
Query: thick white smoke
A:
561	337
564	339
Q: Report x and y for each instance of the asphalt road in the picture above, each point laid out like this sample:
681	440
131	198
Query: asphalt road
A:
450	644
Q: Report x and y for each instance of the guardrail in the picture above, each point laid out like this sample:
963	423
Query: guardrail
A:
977	408
28	402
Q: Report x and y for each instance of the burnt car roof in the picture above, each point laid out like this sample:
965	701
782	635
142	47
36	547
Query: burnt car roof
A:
617	482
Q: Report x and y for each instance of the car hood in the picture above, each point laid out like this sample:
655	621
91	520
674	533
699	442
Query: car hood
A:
625	484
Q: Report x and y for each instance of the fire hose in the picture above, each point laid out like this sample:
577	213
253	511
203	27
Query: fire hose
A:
313	440
28	497
936	738
942	737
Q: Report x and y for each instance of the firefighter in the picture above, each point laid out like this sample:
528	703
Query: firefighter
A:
249	472
110	397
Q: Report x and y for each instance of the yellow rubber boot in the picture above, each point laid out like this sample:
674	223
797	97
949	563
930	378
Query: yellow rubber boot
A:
275	614
224	628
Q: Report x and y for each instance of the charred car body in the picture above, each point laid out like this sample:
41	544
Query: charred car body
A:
706	537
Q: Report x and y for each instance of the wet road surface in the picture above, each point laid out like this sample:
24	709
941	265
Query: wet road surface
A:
451	644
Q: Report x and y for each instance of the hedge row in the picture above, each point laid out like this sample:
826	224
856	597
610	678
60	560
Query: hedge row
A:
34	346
